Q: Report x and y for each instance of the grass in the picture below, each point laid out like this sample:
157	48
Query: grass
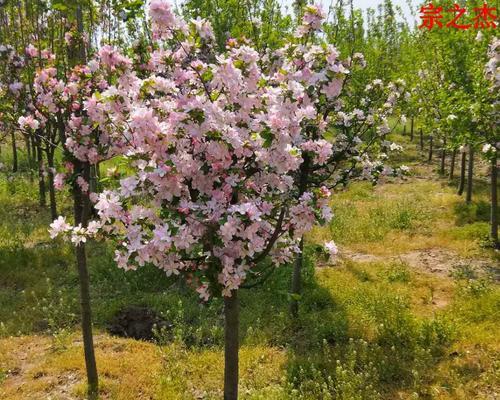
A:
376	329
420	212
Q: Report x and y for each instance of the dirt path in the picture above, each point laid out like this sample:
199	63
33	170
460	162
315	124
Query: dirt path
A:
437	261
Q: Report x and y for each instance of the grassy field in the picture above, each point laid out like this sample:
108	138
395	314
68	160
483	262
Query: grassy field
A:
410	310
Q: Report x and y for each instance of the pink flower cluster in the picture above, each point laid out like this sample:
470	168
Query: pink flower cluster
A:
28	123
112	58
163	19
311	21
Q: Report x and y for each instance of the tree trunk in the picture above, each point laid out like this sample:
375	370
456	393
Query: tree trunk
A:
14	152
431	147
297	269
452	164
404	129
52	191
42	197
463	163
470	174
411	128
94	178
494	202
421	139
297	281
443	157
33	150
81	213
28	151
231	346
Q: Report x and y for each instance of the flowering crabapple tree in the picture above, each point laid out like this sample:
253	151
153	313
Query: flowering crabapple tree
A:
39	115
85	146
19	112
53	90
62	103
43	123
40	110
344	134
13	93
210	197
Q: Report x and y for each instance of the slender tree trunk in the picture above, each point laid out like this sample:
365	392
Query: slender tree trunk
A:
93	178
98	171
443	157
452	164
421	139
81	213
411	128
30	148
297	268
494	202
33	149
463	163
28	151
297	281
42	197
14	152
404	130
52	191
470	174
431	147
231	346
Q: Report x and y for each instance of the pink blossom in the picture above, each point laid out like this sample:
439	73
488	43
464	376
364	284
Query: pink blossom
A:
332	89
108	206
31	51
204	28
59	226
78	235
68	36
28	122
83	184
311	20
163	18
128	186
59	181
16	87
331	248
203	292
112	58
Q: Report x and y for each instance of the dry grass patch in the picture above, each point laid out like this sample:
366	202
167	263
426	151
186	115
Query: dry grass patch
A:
129	369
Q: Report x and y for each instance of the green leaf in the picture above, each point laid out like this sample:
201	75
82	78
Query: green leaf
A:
59	6
295	296
207	75
268	137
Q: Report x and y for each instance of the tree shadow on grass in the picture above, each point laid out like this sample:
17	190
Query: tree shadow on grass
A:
476	211
480	187
358	339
